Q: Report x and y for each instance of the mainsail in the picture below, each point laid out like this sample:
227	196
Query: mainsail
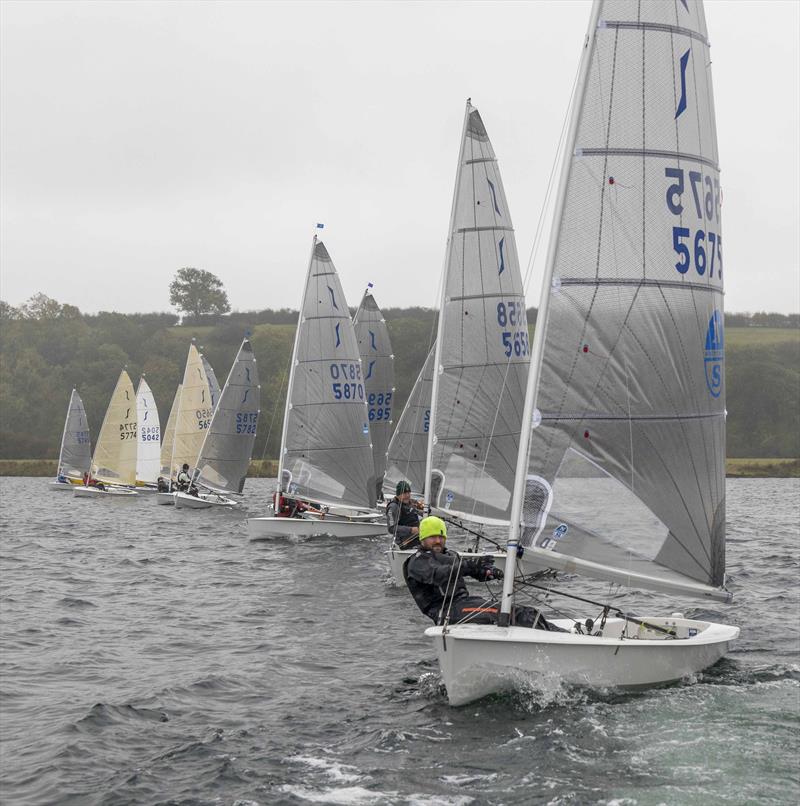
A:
377	364
482	345
169	436
627	453
194	413
213	383
114	459
225	454
75	455
409	444
326	455
148	435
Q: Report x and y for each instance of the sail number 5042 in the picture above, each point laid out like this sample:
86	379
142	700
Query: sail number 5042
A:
700	248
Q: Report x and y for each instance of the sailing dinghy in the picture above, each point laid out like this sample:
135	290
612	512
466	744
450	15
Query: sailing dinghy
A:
377	362
225	454
75	456
114	460
621	468
326	471
192	418
471	425
148	439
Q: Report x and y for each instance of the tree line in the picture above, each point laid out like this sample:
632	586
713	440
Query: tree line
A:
46	348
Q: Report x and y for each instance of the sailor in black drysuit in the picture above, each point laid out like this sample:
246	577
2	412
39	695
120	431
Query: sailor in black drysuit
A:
435	578
402	518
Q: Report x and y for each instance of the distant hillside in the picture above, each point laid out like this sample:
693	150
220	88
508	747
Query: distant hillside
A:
42	358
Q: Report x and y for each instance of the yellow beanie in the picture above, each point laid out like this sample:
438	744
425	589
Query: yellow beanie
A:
431	527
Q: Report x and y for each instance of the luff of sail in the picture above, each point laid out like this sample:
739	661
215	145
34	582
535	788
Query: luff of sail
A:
408	447
225	454
169	436
114	460
148	435
326	454
194	412
630	427
377	362
481	363
75	456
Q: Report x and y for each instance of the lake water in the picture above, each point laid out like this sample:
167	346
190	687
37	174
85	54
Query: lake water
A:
154	655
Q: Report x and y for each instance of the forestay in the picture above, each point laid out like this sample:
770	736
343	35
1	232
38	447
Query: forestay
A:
225	455
377	364
409	444
194	412
169	436
114	459
148	435
628	444
326	454
75	455
482	346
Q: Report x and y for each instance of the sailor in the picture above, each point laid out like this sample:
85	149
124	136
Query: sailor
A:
435	577
402	518
163	485
184	480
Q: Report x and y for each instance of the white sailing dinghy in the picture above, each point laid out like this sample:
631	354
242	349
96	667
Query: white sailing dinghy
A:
377	362
148	439
114	460
481	354
326	455
192	420
75	456
225	454
621	470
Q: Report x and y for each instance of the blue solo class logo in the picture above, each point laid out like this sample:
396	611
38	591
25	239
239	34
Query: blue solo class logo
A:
714	354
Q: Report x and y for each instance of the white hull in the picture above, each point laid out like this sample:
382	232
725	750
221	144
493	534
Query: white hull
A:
62	486
307	527
477	660
109	492
166	499
203	501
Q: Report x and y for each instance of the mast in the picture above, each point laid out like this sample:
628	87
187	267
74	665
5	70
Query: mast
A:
290	385
541	325
440	323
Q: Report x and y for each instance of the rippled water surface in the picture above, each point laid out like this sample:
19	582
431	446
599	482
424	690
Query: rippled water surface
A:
154	655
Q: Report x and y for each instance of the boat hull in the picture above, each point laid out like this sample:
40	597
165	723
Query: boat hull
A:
186	501
258	528
63	485
478	660
111	492
166	499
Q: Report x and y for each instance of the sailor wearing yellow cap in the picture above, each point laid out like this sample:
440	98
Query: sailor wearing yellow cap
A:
435	577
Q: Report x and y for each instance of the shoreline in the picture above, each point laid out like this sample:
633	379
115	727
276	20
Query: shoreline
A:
268	468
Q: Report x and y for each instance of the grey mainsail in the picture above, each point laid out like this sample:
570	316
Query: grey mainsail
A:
169	435
75	456
481	363
408	447
228	444
213	383
627	451
377	363
326	455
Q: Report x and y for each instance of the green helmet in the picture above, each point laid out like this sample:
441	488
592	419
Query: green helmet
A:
402	487
432	527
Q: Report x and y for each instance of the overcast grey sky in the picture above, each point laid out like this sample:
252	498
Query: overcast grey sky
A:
139	137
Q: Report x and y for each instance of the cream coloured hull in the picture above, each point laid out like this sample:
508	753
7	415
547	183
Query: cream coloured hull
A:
203	501
110	493
478	660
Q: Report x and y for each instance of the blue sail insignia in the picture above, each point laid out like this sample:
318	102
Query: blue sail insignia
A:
714	354
682	102
494	197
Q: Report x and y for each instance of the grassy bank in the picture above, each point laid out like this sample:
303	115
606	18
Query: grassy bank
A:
268	468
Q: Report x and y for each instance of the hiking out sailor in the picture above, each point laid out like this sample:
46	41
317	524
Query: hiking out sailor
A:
162	485
435	577
184	479
402	517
